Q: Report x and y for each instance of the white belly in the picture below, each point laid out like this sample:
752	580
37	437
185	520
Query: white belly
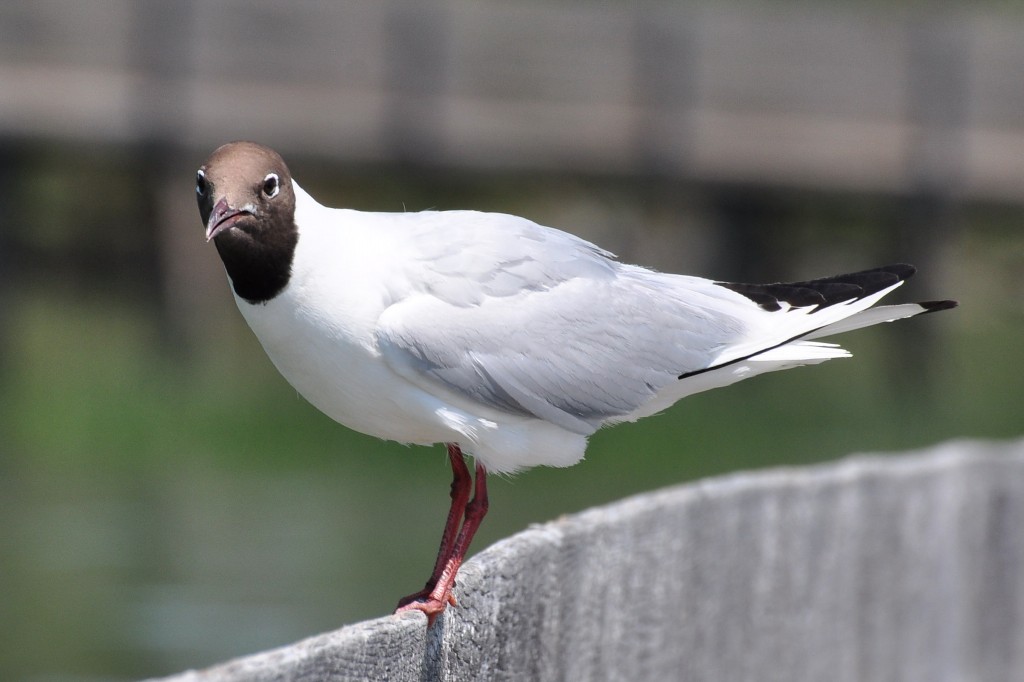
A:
343	375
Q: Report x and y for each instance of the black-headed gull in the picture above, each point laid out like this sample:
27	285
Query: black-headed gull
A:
502	338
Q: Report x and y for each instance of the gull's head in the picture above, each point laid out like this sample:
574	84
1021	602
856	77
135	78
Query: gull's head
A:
247	203
244	191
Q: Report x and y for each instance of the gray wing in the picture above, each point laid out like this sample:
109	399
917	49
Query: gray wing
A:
498	312
576	352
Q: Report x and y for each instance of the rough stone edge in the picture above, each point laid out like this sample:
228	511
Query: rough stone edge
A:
399	640
406	650
943	456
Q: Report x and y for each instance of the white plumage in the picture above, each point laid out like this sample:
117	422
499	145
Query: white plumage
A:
495	335
514	340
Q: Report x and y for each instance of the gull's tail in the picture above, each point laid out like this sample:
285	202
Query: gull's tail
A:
799	312
847	289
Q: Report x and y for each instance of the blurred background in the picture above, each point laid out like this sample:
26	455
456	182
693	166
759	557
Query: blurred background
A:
168	501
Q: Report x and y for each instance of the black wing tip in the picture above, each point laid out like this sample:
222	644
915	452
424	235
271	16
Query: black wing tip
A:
936	306
825	291
903	271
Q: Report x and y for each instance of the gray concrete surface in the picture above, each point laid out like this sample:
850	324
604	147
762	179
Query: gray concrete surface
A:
874	568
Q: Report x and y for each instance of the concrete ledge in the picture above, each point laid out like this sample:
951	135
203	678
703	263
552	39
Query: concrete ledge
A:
874	568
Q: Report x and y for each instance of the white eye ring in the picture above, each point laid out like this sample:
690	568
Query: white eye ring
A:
271	185
201	184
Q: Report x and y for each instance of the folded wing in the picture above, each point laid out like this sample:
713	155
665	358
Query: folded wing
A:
605	342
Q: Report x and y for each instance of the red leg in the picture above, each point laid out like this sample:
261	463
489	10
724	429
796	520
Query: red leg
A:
439	595
475	512
462	482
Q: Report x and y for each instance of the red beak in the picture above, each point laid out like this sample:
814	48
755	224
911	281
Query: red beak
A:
223	218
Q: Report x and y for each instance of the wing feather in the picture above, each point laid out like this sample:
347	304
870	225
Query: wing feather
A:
536	323
596	342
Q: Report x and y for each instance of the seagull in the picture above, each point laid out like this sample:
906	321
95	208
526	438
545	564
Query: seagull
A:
501	338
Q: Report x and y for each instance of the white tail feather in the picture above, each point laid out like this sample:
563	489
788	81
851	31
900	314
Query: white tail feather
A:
866	318
802	352
777	327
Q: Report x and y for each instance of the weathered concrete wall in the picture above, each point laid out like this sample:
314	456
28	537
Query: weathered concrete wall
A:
875	568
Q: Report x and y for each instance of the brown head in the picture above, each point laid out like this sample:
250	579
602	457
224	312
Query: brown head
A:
247	202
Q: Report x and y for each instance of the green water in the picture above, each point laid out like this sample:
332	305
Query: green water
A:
156	514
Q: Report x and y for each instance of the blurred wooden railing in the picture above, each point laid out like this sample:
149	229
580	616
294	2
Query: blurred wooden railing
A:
865	98
875	568
730	101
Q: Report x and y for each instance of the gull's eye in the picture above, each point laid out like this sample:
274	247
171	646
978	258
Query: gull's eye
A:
271	185
202	187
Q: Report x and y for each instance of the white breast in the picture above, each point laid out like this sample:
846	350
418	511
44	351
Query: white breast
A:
319	332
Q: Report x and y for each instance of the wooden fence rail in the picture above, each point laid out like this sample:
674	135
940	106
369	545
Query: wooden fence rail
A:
874	568
917	105
814	96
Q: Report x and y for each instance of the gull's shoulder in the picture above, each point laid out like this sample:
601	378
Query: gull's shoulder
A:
464	256
459	256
